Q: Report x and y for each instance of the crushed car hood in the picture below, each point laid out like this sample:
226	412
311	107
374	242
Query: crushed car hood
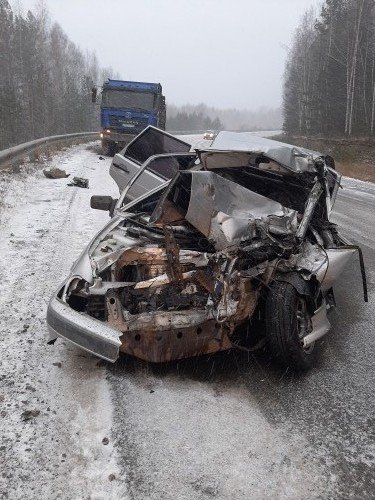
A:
224	211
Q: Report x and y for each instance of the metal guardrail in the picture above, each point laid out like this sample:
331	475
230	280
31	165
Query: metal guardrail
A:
15	153
10	156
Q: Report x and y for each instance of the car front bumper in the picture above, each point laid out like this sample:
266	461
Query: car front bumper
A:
82	330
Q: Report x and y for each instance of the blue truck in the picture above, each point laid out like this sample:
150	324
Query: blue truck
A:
126	109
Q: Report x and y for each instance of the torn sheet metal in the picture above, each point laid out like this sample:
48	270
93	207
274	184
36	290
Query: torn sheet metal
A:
310	260
227	213
326	265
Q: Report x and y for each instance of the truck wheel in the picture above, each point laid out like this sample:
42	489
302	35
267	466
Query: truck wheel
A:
287	323
109	148
112	148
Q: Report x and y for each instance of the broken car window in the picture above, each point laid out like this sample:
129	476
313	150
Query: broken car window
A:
154	142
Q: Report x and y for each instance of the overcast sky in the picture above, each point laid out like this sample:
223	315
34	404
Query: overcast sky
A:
226	53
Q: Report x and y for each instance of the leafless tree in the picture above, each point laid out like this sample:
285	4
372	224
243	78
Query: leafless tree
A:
329	85
45	80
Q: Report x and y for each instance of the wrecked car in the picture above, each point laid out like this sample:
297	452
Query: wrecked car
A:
235	251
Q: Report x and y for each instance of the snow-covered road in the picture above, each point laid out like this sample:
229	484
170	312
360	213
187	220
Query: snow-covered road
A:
227	426
59	453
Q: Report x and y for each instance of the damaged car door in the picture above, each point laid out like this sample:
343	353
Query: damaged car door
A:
150	142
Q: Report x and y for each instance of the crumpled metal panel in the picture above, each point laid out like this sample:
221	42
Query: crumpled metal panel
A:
226	212
171	344
326	264
337	261
292	157
310	258
320	325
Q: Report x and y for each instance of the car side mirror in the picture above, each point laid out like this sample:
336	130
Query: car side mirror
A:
106	203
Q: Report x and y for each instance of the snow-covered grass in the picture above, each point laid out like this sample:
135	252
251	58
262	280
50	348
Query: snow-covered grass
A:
44	226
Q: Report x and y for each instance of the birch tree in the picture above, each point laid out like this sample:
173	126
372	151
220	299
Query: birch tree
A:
340	96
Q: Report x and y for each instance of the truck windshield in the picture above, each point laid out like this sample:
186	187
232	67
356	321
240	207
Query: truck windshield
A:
128	99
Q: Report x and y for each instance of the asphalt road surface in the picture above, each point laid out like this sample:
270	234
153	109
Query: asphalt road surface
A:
228	426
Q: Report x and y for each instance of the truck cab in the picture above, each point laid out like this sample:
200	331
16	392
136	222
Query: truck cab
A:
126	109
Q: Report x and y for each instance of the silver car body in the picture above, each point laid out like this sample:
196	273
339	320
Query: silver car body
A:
161	280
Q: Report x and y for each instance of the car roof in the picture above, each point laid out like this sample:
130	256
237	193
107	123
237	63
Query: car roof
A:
294	158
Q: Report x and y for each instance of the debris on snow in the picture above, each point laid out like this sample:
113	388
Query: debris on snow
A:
79	182
55	173
29	414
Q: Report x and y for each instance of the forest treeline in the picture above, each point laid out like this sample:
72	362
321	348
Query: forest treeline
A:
196	120
202	117
45	79
329	84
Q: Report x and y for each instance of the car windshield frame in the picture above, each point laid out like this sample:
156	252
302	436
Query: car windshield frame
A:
120	202
152	142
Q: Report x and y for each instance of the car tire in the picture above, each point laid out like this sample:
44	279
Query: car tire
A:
287	322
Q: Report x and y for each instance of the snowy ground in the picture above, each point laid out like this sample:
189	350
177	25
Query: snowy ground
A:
58	453
225	426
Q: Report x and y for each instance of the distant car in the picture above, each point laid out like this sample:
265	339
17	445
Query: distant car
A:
209	135
236	249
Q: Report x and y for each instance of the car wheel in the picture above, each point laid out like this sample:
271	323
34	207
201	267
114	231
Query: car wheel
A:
287	323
